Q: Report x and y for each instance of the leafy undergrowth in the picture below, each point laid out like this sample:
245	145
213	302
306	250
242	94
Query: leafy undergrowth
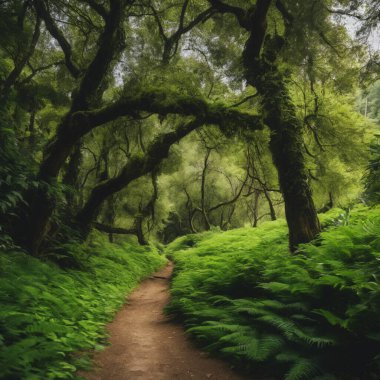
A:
49	316
314	315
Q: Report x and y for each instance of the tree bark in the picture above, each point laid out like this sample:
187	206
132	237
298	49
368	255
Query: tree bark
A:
270	204
147	210
139	230
71	178
35	225
110	215
262	72
204	211
256	208
286	141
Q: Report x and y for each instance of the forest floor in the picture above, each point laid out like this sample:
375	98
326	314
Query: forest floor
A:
145	344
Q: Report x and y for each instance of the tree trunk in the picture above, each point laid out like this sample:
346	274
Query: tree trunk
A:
261	71
71	178
329	205
139	230
286	148
270	204
110	215
206	220
147	210
256	208
31	129
35	225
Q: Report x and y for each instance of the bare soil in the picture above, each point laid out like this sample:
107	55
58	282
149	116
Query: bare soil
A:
146	345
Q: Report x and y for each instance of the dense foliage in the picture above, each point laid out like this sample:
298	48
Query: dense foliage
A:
167	118
95	97
50	318
372	176
309	316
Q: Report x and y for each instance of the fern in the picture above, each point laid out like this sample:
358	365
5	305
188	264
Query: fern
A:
254	348
47	314
245	297
303	369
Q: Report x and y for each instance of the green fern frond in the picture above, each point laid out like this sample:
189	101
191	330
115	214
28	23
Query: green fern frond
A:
303	369
254	348
311	305
283	325
331	318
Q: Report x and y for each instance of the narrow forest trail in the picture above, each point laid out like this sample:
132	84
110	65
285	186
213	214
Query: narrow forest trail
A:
146	345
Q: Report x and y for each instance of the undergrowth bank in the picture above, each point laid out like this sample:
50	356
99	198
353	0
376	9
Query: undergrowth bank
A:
314	315
50	318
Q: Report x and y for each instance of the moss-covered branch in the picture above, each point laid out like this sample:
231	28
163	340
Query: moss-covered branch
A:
136	167
164	103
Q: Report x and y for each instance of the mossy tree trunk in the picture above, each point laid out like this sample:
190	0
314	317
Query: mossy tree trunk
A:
286	147
286	142
261	71
35	225
71	179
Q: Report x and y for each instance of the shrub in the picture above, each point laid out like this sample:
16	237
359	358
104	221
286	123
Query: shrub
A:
48	315
312	315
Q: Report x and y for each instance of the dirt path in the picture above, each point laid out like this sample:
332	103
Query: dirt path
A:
146	346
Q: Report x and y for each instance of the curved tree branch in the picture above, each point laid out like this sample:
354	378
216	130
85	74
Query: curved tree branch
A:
163	103
110	42
240	14
38	70
136	167
246	99
98	8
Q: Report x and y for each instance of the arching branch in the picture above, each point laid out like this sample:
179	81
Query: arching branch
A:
240	14
136	167
36	71
163	103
